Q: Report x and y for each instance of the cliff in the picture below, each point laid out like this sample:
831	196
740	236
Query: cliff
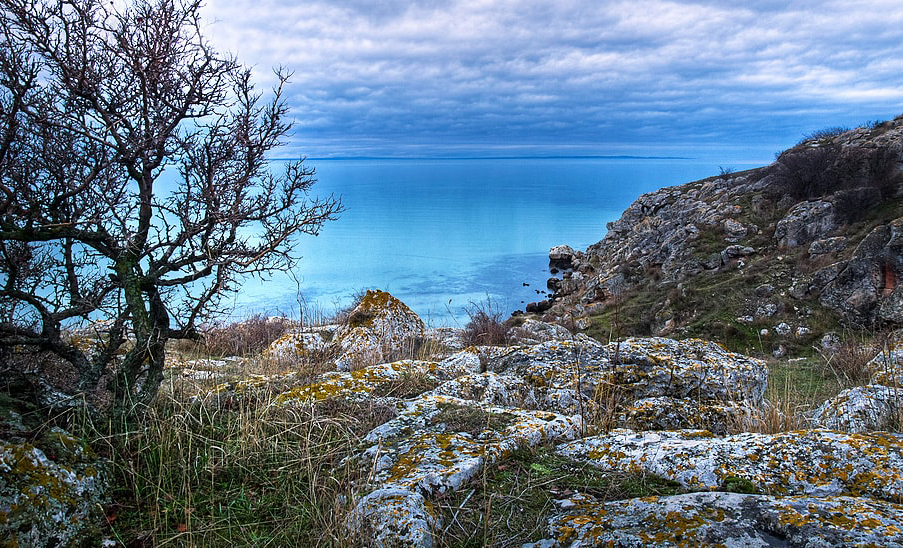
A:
789	251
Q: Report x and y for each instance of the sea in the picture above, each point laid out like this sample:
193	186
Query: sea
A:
450	236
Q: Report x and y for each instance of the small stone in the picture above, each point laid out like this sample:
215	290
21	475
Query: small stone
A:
782	329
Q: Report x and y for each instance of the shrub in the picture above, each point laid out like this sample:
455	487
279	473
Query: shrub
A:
486	326
243	338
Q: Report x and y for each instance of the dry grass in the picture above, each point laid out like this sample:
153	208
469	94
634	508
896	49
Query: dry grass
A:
221	469
486	327
245	338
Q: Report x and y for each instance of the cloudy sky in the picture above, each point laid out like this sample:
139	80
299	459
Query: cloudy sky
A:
704	78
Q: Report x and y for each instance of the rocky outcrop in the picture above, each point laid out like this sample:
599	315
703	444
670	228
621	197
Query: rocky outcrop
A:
805	462
726	519
796	224
448	421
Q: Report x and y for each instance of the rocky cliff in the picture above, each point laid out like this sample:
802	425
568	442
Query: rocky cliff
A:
784	252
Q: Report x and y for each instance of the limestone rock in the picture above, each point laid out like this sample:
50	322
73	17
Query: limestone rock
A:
865	288
805	222
379	329
666	413
53	495
728	519
804	462
535	331
437	443
696	368
862	409
299	344
828	245
394	517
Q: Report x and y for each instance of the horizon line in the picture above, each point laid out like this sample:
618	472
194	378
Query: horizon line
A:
523	157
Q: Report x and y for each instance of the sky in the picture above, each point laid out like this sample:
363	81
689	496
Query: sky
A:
436	78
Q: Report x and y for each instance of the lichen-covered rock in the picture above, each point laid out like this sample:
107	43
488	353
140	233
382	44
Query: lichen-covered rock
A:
862	409
534	332
437	443
695	368
394	517
298	344
491	388
810	462
52	496
357	384
665	413
379	329
728	519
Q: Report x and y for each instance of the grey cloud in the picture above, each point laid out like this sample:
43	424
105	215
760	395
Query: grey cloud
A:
574	72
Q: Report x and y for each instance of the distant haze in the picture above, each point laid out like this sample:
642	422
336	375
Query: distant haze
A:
732	81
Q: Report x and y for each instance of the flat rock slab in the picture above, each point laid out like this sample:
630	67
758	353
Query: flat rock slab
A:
811	462
438	443
728	519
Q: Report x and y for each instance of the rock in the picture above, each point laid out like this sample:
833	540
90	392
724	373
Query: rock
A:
862	409
830	342
728	519
53	495
437	443
538	307
379	329
360	383
562	257
782	329
780	351
452	338
734	230
828	245
865	287
805	222
534	331
803	462
666	413
767	310
803	331
689	368
297	345
491	389
394	517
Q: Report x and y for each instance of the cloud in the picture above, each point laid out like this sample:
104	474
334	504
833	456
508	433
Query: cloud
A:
600	74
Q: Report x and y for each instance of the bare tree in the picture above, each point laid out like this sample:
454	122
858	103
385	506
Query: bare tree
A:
95	103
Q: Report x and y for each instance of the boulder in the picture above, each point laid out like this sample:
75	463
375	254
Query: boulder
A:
727	519
535	331
865	288
379	329
657	366
806	222
828	245
562	257
803	462
437	443
862	409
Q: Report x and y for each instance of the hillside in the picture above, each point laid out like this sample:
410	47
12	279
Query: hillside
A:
767	260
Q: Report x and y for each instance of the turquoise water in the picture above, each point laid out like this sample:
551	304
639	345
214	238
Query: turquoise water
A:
444	234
